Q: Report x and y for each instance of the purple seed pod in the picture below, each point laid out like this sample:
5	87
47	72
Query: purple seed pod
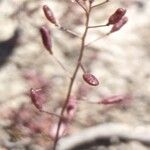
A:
116	17
46	38
90	79
37	98
117	99
119	24
49	14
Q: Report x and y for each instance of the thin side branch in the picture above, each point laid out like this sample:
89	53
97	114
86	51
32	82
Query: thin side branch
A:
82	6
98	26
82	67
97	5
62	66
50	113
99	38
68	31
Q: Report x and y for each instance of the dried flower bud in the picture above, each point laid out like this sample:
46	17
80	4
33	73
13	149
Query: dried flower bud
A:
119	24
114	99
71	108
116	17
37	98
49	14
90	79
46	38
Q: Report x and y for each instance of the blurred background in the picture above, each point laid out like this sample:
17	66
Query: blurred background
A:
120	61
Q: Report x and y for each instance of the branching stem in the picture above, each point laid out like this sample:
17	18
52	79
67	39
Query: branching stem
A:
74	74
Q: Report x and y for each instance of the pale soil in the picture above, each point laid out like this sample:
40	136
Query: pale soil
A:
121	62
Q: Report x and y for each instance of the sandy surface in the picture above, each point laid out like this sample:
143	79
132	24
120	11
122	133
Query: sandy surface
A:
121	62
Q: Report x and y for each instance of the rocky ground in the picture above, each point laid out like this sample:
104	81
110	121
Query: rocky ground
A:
121	62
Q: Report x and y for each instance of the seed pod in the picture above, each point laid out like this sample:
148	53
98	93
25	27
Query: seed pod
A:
119	24
37	98
114	99
49	14
46	38
90	79
116	17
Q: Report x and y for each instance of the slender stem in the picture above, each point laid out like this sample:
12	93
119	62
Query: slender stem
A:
86	101
99	38
62	66
98	26
50	113
74	75
82	67
82	6
68	31
97	5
